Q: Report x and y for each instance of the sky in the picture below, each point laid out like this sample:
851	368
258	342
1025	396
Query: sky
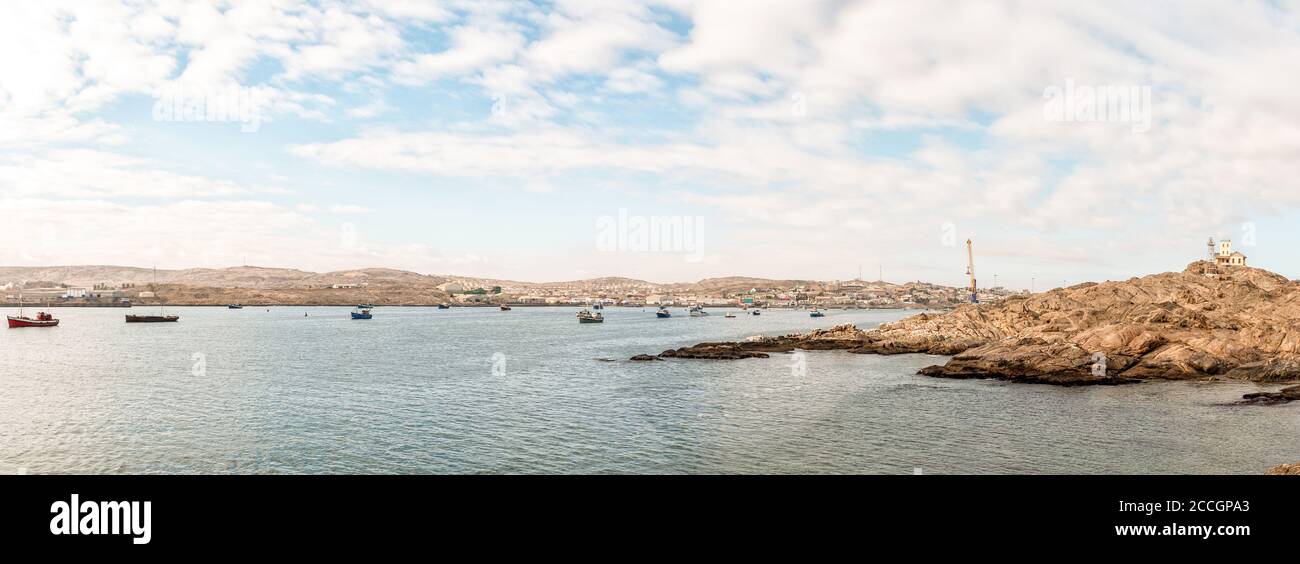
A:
667	140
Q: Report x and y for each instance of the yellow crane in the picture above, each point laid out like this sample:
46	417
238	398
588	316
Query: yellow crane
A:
970	271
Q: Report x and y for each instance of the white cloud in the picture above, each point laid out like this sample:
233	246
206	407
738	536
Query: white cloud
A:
93	174
871	118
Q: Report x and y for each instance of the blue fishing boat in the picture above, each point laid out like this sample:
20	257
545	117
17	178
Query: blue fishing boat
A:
816	313
362	313
663	313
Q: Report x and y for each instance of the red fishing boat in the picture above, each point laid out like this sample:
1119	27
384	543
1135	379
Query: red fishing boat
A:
42	320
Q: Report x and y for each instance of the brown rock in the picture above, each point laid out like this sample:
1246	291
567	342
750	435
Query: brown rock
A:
1285	470
645	357
1286	395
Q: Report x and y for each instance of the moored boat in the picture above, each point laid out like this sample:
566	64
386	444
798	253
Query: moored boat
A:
234	306
730	315
152	318
586	316
663	313
42	320
162	316
505	307
816	313
698	311
362	313
755	312
444	306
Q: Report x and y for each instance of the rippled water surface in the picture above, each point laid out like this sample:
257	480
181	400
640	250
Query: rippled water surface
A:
415	391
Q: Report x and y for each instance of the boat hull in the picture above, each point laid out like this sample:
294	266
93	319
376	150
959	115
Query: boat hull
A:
663	314
152	318
16	322
362	316
587	320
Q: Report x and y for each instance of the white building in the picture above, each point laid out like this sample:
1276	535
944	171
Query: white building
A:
1226	257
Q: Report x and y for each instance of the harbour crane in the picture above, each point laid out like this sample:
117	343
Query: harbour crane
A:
970	271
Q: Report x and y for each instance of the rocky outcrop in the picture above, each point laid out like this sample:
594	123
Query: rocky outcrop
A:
1285	470
1286	395
1203	323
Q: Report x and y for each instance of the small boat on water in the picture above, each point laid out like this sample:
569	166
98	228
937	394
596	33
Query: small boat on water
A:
234	306
42	320
698	311
366	306
152	318
730	315
598	306
162	316
755	312
505	307
444	306
362	313
816	313
663	313
586	316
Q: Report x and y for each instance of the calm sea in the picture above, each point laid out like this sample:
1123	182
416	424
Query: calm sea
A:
532	391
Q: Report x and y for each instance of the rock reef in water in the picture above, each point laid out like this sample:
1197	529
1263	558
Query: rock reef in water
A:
1206	322
1286	395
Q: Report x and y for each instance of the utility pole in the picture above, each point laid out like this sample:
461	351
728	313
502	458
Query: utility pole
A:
1031	285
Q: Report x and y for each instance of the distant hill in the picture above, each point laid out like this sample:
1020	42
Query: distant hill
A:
234	277
254	277
744	283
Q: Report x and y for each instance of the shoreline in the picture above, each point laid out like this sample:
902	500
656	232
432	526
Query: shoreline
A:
1230	323
434	305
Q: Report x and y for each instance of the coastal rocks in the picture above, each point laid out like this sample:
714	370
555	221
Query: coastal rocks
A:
1285	470
1286	395
835	338
714	351
645	357
1207	322
1030	360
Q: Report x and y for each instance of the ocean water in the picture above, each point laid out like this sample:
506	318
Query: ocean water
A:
468	390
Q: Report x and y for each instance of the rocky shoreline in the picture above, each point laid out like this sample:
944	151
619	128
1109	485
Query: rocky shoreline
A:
1205	323
1285	470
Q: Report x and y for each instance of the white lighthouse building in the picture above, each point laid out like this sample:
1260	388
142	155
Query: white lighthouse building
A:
1227	257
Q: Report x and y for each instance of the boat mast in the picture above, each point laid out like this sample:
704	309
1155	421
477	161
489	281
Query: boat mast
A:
161	310
970	270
